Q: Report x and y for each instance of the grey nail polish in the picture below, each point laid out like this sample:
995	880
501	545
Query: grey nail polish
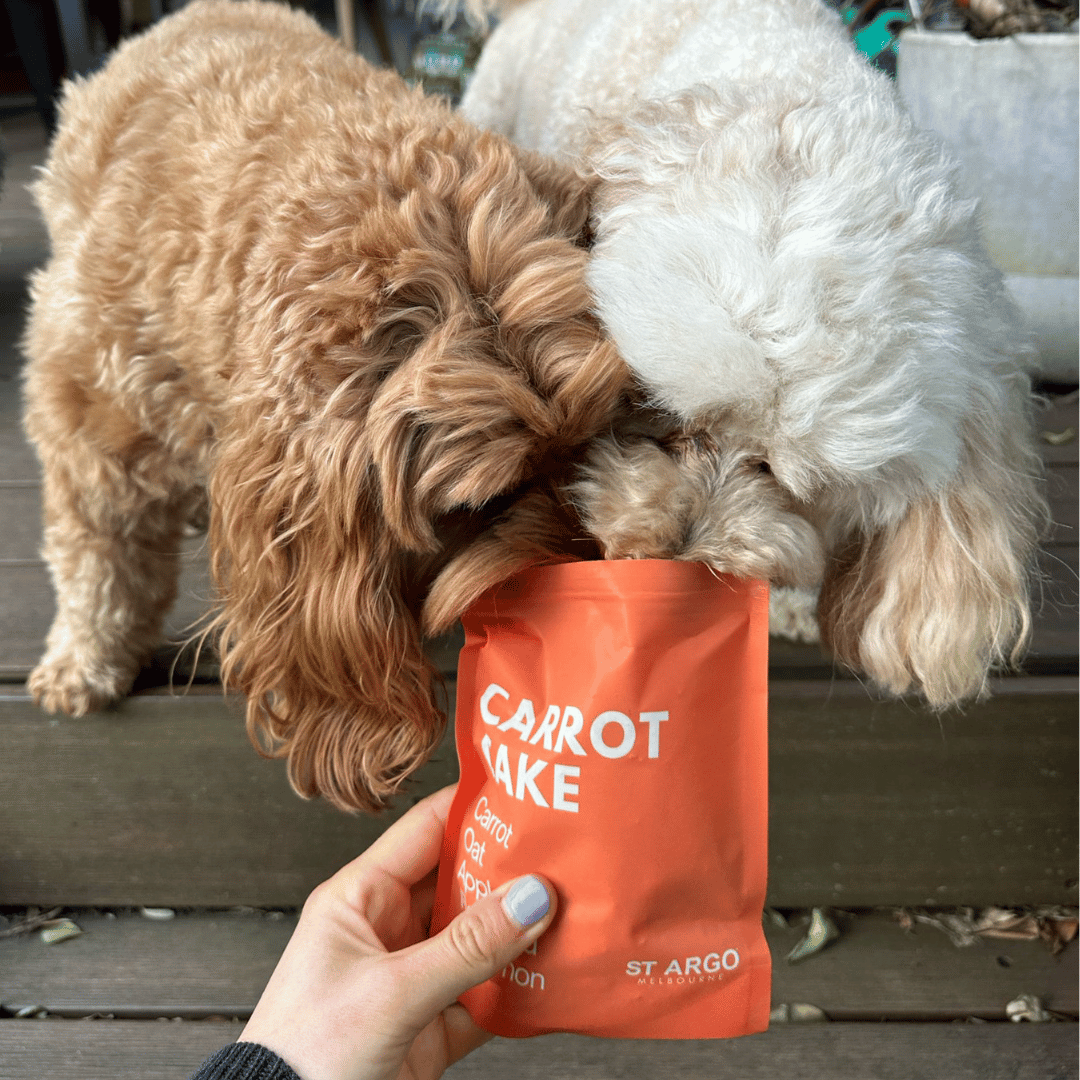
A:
527	901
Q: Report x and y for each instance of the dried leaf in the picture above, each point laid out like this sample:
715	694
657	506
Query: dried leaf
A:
1059	438
821	931
803	1013
34	921
958	925
1013	925
1057	931
777	918
59	930
1027	1007
159	914
1055	926
797	1013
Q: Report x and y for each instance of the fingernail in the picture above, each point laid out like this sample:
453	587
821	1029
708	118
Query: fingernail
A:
527	901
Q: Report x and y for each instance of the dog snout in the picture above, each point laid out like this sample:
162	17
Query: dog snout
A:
688	497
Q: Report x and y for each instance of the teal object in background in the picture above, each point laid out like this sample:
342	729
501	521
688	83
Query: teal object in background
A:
875	29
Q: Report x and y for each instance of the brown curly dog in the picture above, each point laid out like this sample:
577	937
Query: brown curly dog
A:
362	324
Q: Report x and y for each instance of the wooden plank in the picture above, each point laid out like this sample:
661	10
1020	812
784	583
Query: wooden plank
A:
883	803
203	964
876	970
1062	487
25	144
136	1050
1058	424
795	1052
26	609
26	606
162	801
108	1049
20	511
24	242
198	964
1056	612
17	460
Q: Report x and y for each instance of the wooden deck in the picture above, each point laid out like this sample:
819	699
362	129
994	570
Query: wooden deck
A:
876	807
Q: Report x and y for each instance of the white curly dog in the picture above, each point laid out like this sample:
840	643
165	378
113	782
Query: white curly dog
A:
787	263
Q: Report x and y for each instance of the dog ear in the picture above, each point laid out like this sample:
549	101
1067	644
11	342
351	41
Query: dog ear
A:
314	630
539	526
937	599
404	364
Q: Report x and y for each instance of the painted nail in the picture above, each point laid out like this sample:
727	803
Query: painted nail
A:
527	901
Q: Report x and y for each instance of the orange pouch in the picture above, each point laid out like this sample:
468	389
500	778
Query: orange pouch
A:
612	735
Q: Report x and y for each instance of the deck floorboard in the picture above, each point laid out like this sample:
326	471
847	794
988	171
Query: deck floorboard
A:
164	1050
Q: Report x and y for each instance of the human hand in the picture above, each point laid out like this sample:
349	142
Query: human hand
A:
360	992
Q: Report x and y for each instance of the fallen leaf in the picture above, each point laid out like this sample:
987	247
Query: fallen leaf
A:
1059	438
821	931
59	930
31	923
1027	1007
159	914
797	1013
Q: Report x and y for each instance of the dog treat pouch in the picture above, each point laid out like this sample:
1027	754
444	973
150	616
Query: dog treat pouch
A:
611	733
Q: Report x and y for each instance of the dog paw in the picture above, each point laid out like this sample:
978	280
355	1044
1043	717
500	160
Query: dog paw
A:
62	684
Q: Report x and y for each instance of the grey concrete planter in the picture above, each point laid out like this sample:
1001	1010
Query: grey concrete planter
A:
1008	109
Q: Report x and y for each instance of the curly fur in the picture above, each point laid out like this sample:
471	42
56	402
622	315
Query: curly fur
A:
789	266
365	327
362	323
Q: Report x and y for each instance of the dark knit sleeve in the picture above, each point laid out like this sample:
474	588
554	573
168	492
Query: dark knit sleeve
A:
244	1061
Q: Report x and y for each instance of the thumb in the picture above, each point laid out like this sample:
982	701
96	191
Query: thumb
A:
479	943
